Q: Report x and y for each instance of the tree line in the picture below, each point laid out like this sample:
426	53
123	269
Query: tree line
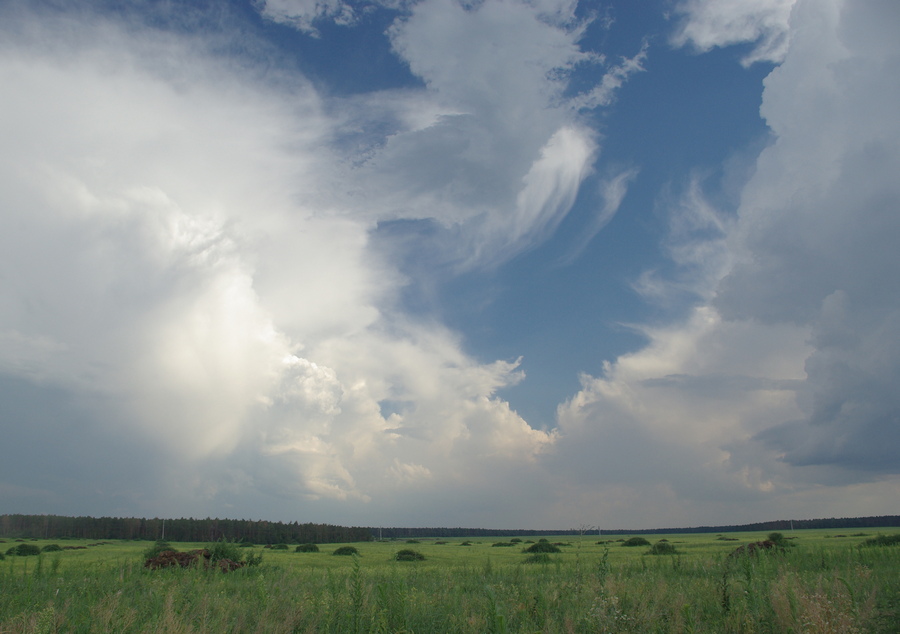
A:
178	530
879	521
265	532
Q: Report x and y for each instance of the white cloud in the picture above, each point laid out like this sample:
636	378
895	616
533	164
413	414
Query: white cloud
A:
706	24
195	283
303	14
495	142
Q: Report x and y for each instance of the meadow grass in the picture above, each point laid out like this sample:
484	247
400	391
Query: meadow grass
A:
824	583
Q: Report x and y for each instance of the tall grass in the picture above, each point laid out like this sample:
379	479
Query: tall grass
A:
805	590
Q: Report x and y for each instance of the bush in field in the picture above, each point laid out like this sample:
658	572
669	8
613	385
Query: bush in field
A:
466	544
515	540
224	549
158	547
346	550
306	548
662	548
542	547
228	555
279	547
883	540
502	545
636	541
412	541
779	540
407	554
538	558
24	550
51	548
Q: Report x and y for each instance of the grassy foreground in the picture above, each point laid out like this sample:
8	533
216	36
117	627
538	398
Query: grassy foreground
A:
822	583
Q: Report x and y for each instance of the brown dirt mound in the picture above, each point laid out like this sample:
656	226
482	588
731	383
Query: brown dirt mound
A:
171	559
753	548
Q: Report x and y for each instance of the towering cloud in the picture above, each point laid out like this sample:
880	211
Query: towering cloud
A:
780	381
188	262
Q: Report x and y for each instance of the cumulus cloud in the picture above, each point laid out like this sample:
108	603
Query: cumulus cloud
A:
781	379
706	24
189	269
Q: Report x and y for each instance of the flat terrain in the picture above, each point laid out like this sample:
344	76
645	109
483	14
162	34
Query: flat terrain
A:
823	581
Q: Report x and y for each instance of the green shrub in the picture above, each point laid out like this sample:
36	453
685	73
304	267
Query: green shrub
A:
466	544
635	541
51	548
542	547
515	540
412	541
158	547
662	547
306	548
502	545
346	550
24	550
538	558
224	549
407	554
779	540
279	547
882	540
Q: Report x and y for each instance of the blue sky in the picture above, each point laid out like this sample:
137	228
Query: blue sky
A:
424	263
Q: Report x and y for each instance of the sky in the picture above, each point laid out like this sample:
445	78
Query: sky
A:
481	263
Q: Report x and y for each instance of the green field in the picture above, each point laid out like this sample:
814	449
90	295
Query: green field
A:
823	582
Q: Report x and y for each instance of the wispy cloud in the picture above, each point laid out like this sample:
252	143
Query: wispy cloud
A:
612	193
706	24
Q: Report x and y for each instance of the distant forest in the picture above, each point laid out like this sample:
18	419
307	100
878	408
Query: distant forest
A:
878	521
177	530
263	532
